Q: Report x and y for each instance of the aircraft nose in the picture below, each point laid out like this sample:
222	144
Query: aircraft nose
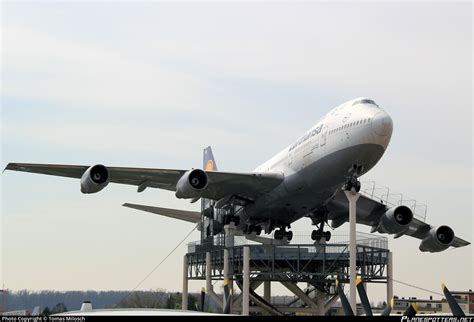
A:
382	124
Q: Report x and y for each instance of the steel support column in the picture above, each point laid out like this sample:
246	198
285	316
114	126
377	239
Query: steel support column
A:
184	302
389	277
246	282
267	291
352	196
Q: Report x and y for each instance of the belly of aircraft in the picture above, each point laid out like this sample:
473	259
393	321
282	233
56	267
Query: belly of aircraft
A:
311	187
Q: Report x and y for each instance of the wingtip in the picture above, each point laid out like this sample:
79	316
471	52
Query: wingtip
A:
415	307
8	167
443	286
392	302
358	281
337	282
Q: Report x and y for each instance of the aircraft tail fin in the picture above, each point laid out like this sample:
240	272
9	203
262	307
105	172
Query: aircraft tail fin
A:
209	163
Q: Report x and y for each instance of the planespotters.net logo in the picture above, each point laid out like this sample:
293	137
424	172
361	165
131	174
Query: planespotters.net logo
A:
437	319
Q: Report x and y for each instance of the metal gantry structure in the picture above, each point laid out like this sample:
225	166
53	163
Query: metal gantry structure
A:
225	256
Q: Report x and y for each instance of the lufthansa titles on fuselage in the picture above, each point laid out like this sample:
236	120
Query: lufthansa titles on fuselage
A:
305	137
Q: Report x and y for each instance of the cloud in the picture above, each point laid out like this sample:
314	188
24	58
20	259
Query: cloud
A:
42	67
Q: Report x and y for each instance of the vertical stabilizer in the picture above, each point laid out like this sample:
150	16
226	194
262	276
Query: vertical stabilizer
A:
209	164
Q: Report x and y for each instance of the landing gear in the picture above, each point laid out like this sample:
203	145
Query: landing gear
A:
231	218
319	220
253	228
281	233
317	235
352	179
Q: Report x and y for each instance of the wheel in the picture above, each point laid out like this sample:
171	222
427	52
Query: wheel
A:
327	235
348	186
278	234
289	235
357	186
315	235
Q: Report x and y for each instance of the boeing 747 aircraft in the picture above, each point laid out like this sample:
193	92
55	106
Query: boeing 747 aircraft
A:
305	179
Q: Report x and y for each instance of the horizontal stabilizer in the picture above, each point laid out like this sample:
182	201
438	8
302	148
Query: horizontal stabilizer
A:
458	242
189	216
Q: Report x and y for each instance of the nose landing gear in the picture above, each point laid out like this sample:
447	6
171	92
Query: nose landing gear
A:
353	178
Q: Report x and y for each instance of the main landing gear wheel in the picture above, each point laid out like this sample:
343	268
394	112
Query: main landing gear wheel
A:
317	235
253	228
280	234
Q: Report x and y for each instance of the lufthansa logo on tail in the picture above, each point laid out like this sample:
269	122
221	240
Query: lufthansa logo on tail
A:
209	165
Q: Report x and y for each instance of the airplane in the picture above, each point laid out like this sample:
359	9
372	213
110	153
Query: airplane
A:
305	179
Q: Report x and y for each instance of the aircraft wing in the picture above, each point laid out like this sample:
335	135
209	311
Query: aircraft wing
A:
369	212
190	216
221	184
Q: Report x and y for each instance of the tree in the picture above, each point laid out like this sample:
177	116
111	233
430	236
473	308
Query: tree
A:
150	299
46	311
59	308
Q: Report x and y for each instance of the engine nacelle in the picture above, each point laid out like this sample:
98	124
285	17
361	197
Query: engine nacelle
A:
395	220
95	179
437	239
191	184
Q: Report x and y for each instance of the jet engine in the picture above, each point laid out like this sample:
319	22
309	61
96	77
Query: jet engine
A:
395	220
191	184
95	179
437	239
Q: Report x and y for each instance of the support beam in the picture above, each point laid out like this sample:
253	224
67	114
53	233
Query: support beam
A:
299	293
267	291
352	196
184	301
330	302
253	286
227	276
320	300
246	282
209	287
389	277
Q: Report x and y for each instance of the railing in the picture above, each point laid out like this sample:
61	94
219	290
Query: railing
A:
392	198
299	238
301	263
342	237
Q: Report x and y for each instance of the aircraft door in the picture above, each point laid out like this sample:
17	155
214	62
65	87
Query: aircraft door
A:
291	155
323	137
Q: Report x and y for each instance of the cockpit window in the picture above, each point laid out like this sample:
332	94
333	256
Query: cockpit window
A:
364	101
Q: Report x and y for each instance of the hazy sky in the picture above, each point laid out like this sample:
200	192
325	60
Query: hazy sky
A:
152	84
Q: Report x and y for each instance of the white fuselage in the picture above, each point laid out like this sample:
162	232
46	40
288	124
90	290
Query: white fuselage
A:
317	164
